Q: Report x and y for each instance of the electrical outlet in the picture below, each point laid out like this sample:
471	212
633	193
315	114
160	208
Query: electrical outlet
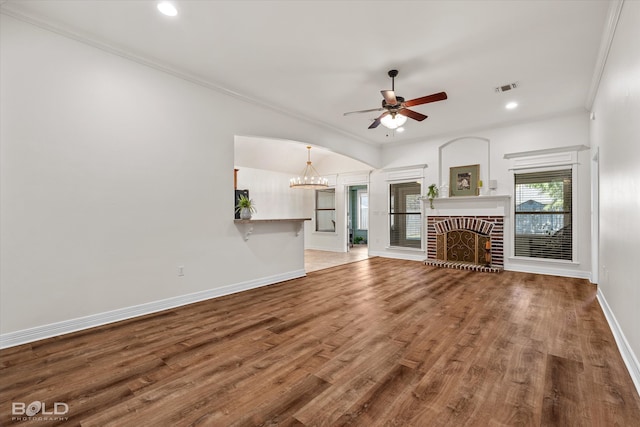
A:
180	270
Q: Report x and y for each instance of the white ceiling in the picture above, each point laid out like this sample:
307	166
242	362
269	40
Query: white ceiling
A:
290	157
319	59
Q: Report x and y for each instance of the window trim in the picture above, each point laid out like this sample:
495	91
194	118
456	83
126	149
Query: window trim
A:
316	209
421	214
574	212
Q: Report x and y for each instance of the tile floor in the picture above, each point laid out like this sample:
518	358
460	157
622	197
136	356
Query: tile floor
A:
318	260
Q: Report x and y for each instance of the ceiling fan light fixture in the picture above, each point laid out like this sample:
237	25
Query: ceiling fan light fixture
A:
393	121
397	109
309	179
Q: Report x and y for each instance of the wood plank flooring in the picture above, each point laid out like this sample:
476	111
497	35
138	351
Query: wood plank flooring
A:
372	343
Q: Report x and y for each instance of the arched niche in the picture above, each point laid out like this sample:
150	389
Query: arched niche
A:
463	151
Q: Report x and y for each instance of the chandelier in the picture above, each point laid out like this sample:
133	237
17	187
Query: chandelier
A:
309	178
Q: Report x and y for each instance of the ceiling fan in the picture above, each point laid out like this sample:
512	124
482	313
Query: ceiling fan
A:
393	106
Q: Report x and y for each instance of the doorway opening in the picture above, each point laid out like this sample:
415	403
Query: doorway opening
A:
357	218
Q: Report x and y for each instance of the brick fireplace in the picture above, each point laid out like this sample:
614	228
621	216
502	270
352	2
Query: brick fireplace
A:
466	242
467	232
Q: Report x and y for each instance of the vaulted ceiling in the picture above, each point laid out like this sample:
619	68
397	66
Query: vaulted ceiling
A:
319	59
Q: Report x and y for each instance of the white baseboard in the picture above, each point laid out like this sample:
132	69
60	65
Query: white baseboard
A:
626	352
409	256
549	271
324	248
24	336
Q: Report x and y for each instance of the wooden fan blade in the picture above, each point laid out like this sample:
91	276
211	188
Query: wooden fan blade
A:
376	122
412	114
441	96
363	111
389	97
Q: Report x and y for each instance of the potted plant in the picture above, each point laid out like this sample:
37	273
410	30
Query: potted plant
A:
245	206
432	194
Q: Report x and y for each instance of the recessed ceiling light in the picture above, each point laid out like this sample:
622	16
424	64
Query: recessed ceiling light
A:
400	129
511	105
167	8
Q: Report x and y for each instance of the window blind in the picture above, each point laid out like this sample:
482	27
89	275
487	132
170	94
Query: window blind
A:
543	214
405	215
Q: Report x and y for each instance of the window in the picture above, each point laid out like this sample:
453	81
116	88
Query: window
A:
543	215
363	210
326	210
405	215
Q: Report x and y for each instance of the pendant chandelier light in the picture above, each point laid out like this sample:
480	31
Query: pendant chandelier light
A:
309	178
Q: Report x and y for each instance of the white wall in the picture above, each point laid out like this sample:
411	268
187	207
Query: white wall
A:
113	174
564	131
272	196
615	133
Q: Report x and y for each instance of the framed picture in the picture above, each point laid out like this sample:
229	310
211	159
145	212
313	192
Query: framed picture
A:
463	180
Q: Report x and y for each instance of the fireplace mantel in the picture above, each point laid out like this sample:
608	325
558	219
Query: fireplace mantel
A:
497	205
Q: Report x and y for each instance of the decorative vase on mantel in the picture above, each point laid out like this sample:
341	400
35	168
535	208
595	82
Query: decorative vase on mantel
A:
444	190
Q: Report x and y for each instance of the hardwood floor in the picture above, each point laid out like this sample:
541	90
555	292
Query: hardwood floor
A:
375	342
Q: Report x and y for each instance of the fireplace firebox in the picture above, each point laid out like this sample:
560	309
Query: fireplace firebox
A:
466	242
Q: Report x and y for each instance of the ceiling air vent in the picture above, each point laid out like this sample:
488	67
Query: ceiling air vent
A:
507	87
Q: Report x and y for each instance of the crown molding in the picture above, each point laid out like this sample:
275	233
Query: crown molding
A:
546	151
609	31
